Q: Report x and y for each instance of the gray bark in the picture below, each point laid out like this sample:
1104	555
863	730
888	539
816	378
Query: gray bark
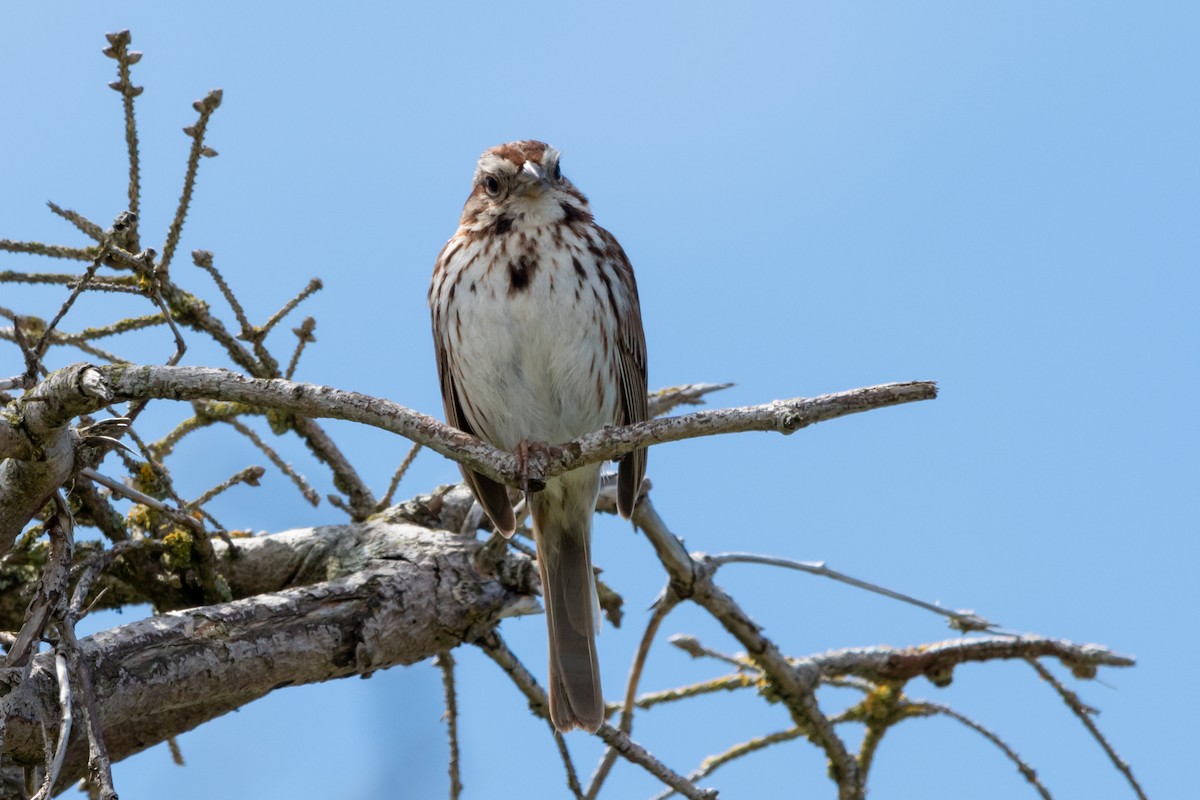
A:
404	594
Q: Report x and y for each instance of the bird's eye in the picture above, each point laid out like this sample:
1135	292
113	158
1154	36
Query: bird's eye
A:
491	185
557	171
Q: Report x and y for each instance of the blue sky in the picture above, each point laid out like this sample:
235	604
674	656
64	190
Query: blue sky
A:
999	197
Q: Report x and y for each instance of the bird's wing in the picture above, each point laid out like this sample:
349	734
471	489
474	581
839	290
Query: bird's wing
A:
491	495
631	372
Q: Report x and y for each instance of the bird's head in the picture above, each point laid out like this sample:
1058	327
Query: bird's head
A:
521	184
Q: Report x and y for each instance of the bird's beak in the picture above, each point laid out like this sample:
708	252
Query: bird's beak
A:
533	178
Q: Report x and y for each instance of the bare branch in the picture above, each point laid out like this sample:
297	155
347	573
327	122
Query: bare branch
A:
310	494
41	249
666	400
936	661
194	383
415	594
1081	711
795	688
304	337
118	50
727	683
445	662
1029	772
120	224
662	607
204	260
85	225
398	476
713	763
315	285
205	107
249	475
966	621
498	651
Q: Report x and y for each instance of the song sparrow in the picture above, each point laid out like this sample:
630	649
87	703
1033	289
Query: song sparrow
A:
538	334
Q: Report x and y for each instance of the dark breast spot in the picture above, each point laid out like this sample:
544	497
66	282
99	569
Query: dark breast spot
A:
502	225
574	215
520	274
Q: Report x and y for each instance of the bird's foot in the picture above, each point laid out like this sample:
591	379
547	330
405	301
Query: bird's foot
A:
526	448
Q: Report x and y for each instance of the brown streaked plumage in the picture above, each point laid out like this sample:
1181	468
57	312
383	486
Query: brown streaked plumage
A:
538	334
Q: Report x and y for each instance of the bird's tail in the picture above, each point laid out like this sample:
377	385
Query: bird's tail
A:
563	536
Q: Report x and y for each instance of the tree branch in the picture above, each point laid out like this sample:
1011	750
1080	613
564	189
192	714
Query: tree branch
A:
415	594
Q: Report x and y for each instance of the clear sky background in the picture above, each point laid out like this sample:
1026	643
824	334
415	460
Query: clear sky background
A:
815	196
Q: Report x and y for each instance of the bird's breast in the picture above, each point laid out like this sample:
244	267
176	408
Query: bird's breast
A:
529	340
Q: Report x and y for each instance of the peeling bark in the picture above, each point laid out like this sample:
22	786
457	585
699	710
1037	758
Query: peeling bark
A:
414	594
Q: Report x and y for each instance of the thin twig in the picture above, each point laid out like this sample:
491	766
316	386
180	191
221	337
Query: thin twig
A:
666	400
725	683
121	222
398	476
9	334
118	327
310	494
115	286
118	49
204	260
304	337
1026	770
498	651
205	107
445	662
42	249
1080	710
249	475
662	607
692	646
965	621
715	762
122	489
314	285
85	225
795	687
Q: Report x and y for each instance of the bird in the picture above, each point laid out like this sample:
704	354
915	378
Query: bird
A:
537	329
